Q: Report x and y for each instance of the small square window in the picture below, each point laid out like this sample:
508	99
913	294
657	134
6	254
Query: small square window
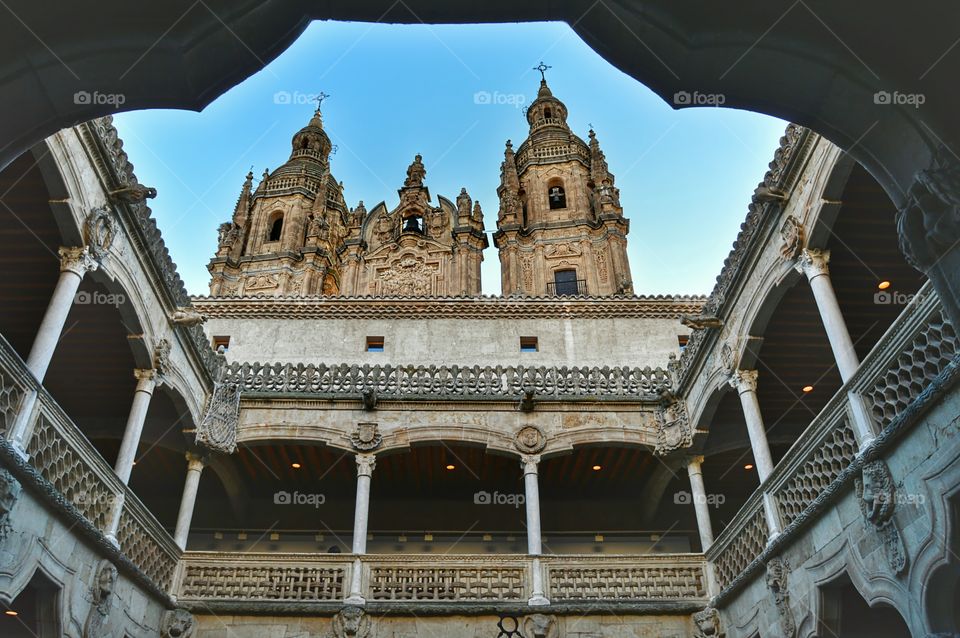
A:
374	344
219	342
682	340
529	344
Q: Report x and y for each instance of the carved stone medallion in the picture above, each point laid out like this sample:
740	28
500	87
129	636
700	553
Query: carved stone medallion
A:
177	623
99	232
366	437
673	427
351	622
530	440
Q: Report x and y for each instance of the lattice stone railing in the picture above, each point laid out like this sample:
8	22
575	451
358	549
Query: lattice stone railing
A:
432	583
911	354
470	382
656	577
64	457
262	577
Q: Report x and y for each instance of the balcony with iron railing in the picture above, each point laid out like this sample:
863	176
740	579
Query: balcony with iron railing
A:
570	288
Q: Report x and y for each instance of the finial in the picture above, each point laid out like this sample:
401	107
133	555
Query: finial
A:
543	70
321	96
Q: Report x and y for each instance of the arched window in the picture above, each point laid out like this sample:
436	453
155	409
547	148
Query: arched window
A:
547	113
276	229
413	224
556	196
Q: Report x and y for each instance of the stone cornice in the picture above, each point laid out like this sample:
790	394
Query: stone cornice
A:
647	307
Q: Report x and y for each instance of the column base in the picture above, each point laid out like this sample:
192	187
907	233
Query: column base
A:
772	537
538	600
355	599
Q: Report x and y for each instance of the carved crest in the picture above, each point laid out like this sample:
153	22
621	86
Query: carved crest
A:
530	440
707	623
728	359
101	599
408	276
366	437
777	572
99	232
177	623
792	236
540	626
673	426
351	622
877	497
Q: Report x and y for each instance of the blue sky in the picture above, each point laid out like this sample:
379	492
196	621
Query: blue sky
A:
685	177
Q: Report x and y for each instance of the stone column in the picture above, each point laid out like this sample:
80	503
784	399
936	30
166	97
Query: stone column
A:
529	463
74	264
813	264
366	463
745	382
699	494
195	465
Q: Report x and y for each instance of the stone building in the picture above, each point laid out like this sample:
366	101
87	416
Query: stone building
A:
779	458
294	235
560	227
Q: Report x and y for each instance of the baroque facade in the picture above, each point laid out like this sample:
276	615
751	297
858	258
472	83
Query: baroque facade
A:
779	458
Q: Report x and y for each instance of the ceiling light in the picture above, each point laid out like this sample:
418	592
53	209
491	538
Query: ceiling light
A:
748	466
598	538
597	468
10	612
427	538
295	466
883	285
451	467
808	388
487	538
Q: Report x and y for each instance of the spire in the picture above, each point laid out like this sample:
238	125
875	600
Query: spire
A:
546	110
242	208
311	142
509	179
599	172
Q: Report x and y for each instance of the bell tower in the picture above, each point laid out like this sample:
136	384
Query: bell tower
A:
560	227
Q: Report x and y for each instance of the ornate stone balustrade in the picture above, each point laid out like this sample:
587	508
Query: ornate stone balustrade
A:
69	463
238	580
437	382
915	350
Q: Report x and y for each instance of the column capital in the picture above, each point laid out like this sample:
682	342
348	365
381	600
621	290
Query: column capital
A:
77	260
529	463
146	380
744	380
196	462
694	462
812	262
366	463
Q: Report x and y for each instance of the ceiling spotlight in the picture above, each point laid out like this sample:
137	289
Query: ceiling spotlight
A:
883	285
451	467
808	388
748	466
295	466
11	613
597	468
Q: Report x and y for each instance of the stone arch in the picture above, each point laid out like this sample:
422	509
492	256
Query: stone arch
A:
38	610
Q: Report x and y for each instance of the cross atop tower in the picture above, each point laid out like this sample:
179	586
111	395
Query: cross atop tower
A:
543	70
321	96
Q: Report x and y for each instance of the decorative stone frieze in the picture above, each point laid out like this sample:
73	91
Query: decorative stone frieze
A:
530	440
351	622
778	570
707	623
101	600
9	493
100	232
876	494
793	238
217	430
540	626
366	437
467	382
177	623
673	426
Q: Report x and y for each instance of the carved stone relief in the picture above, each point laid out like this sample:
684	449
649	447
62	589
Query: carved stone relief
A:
557	251
673	426
101	600
777	572
9	493
261	282
877	497
177	623
408	276
366	437
530	440
707	623
161	356
540	626
351	622
99	232
793	237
